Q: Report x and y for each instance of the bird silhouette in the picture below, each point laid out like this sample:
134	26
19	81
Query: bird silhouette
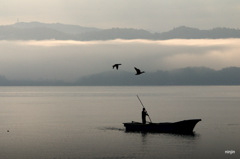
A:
138	71
116	66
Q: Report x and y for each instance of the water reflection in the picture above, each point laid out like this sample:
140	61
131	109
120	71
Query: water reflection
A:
144	134
112	128
163	145
193	134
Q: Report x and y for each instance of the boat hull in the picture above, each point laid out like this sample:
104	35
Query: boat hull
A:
182	127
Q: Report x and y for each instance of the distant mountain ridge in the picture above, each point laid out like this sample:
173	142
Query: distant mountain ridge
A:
184	32
183	76
44	31
65	28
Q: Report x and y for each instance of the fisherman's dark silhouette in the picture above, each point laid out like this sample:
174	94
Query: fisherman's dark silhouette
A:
138	71
116	66
144	114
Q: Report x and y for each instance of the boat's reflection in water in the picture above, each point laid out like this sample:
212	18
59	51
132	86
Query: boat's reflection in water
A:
183	135
144	134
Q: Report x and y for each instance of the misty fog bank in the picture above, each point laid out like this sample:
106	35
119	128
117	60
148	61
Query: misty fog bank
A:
71	60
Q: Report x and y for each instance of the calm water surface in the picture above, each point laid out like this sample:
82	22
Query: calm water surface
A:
86	122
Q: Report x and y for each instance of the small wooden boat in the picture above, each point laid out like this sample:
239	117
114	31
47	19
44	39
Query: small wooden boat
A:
180	127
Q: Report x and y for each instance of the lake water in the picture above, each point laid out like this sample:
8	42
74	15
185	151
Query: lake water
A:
86	122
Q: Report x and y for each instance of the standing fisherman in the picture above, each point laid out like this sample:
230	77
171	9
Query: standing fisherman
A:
144	114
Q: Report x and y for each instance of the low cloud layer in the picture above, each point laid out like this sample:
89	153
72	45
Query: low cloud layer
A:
69	60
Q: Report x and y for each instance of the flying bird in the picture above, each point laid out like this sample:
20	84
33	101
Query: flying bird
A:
138	71
116	66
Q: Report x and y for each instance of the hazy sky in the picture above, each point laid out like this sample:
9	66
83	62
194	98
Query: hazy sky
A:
70	60
153	15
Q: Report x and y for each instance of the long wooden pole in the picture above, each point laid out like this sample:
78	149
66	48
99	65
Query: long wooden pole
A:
144	107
